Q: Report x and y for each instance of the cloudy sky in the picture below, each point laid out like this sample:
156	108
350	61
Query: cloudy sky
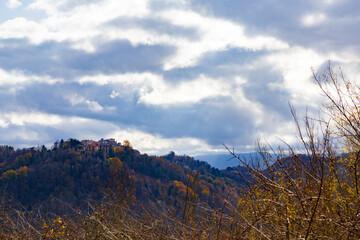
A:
182	75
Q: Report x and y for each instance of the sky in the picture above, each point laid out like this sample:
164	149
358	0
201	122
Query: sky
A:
168	75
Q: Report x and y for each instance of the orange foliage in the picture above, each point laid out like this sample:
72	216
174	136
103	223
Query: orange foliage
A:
23	170
127	143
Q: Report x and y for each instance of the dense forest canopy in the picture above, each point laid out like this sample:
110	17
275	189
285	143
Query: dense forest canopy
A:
75	171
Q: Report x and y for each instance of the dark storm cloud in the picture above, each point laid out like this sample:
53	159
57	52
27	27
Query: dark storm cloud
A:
228	65
70	5
264	15
230	56
157	26
215	120
283	20
117	57
19	54
221	64
59	60
259	89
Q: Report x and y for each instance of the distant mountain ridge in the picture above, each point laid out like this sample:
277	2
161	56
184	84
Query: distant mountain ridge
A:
225	160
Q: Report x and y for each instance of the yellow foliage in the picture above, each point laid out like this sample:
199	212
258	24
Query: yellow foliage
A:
57	229
115	163
127	143
9	174
118	149
182	188
23	170
205	192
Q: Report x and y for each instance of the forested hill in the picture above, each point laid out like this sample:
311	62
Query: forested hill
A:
76	172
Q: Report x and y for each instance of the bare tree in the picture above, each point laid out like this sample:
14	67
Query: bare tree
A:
313	194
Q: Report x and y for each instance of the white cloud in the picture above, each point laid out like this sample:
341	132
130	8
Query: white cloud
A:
19	79
215	35
13	3
23	28
25	135
4	123
154	90
313	19
186	91
102	10
351	71
94	106
83	24
275	133
25	118
157	144
126	84
114	94
27	127
75	99
84	128
332	2
84	27
127	78
294	65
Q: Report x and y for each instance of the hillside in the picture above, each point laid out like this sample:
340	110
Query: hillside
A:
72	173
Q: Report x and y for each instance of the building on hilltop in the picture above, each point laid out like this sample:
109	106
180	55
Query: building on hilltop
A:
90	145
103	145
108	142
